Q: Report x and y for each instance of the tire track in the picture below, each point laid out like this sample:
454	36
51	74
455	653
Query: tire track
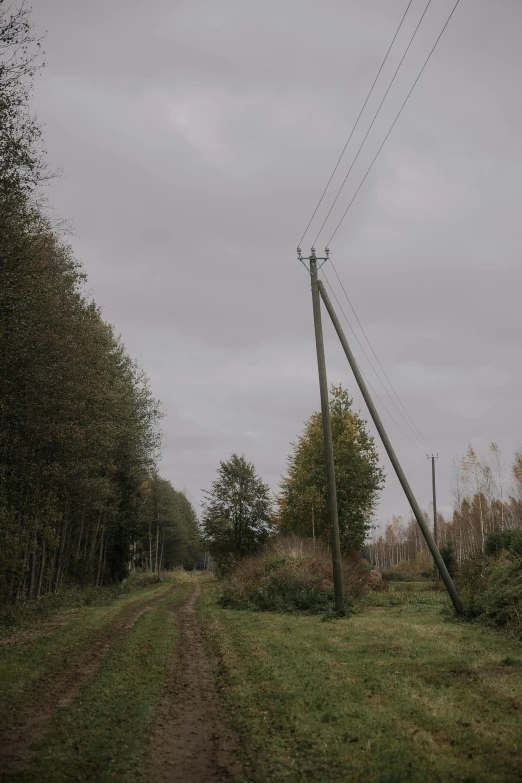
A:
190	742
56	690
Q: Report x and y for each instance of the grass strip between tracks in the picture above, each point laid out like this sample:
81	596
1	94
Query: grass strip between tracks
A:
394	694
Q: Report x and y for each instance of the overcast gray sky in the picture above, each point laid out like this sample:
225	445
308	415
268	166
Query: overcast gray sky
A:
195	139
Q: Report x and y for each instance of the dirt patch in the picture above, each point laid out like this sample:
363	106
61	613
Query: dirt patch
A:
19	638
59	689
190	741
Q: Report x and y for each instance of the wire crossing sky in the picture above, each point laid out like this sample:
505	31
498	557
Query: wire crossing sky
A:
393	124
192	140
404	415
356	122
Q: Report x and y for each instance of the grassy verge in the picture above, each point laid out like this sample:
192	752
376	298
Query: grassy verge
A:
102	735
28	659
27	614
394	694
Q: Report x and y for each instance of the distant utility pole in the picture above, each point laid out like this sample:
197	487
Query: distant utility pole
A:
435	528
327	430
434	490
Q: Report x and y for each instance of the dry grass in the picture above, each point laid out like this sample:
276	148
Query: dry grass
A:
292	574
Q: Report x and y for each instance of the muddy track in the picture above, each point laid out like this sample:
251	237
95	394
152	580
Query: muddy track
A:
58	689
190	741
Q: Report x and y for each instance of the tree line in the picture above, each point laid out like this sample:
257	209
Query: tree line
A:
487	499
80	497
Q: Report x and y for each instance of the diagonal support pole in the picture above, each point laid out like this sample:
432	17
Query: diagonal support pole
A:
450	587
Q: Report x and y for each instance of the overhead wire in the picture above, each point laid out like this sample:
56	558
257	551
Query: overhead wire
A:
394	122
416	429
413	471
419	433
413	443
356	123
373	121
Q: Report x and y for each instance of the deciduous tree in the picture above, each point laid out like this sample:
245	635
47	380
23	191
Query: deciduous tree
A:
237	512
302	500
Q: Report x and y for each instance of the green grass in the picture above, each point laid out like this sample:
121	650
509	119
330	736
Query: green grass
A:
27	614
21	665
102	735
393	694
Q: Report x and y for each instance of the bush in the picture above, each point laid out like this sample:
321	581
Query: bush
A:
501	602
291	574
419	568
490	584
510	540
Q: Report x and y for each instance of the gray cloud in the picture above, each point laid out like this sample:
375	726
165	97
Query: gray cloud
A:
195	140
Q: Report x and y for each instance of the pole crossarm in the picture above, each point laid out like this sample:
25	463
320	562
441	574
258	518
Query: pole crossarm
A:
324	259
450	587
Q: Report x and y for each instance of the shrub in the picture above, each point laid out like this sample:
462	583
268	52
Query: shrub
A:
420	567
501	602
510	540
490	584
291	574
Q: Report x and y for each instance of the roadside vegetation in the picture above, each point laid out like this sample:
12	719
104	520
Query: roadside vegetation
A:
301	504
33	613
393	693
292	574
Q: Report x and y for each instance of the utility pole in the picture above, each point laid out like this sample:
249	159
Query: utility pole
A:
435	528
433	487
448	581
327	431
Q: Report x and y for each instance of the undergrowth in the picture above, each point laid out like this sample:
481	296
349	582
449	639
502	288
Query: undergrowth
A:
491	589
26	613
291	575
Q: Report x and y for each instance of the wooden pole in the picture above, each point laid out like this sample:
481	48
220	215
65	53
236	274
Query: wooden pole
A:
328	444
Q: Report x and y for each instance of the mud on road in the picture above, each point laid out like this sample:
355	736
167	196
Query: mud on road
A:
188	739
191	742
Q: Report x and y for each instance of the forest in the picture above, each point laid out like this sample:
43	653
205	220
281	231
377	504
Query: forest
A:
81	501
487	499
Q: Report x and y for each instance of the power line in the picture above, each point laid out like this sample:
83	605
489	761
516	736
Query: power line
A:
415	430
356	123
365	377
413	471
377	359
372	122
395	120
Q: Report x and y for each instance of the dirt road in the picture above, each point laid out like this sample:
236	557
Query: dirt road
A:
191	743
183	736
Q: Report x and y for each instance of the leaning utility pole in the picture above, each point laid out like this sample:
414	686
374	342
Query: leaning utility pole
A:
327	432
450	587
